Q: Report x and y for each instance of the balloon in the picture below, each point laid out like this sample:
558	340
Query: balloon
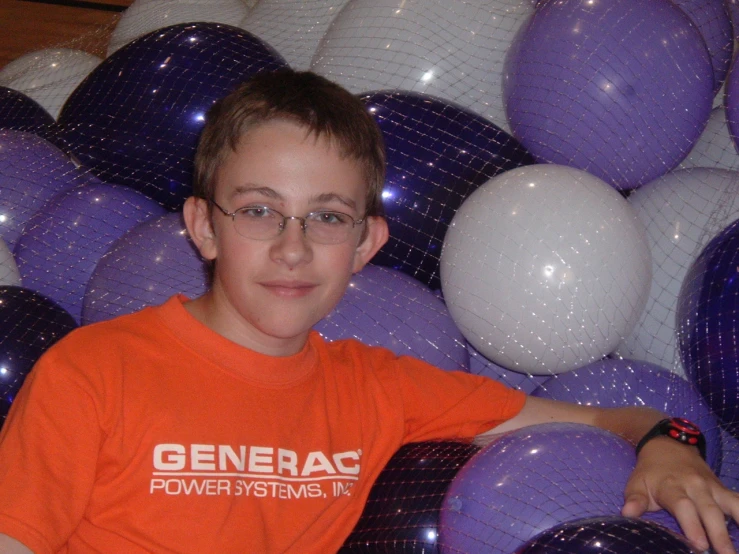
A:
451	50
20	113
615	383
620	90
531	479
707	326
9	274
545	268
63	242
144	267
384	307
49	76
729	474
136	119
480	365
144	16
607	535
714	147
712	19
402	510
32	171
437	154
682	211
29	324
293	27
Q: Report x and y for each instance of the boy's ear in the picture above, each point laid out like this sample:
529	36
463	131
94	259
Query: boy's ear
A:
376	236
199	226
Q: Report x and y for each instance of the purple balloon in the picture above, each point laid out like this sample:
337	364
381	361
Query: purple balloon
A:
32	171
18	112
620	89
614	383
480	365
607	535
714	23
730	465
384	307
438	153
63	242
135	120
708	328
144	267
402	510
529	480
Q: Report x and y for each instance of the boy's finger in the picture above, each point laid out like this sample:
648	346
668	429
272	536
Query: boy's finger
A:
686	513
635	505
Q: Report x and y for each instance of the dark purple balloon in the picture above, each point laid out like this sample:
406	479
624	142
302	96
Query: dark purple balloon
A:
32	171
708	327
29	324
480	365
144	267
63	242
384	307
614	383
531	479
18	112
437	154
402	511
135	120
729	474
617	88
607	535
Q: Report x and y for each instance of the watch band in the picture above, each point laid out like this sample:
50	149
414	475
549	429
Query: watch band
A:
679	429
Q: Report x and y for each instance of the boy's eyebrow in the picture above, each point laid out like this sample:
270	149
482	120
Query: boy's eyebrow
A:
332	196
318	199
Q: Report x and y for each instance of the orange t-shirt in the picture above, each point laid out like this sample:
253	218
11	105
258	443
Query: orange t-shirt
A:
152	433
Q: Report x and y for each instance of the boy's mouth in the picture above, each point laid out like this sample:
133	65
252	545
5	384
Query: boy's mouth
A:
289	289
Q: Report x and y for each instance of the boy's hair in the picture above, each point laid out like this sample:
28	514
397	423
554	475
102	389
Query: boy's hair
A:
324	108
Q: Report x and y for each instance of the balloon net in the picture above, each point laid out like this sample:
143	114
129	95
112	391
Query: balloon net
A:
561	191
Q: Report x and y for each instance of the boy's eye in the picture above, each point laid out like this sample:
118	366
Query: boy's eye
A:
256	212
330	218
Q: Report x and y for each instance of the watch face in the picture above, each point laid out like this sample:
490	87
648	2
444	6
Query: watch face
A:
685	425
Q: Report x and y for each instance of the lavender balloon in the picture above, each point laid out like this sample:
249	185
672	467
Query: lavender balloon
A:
620	89
531	479
144	267
480	365
614	383
62	244
384	307
32	171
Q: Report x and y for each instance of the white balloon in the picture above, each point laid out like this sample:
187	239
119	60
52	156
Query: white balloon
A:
292	27
144	16
545	268
9	275
714	147
682	211
452	50
49	76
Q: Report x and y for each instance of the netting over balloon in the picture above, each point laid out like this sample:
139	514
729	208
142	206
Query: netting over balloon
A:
562	194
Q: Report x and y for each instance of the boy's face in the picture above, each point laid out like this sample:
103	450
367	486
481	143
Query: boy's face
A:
267	294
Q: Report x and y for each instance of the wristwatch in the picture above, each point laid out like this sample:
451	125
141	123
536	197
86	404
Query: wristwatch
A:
677	428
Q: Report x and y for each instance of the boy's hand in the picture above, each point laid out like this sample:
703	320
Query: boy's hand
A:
674	477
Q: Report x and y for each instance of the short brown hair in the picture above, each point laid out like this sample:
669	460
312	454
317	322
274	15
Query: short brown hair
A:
321	106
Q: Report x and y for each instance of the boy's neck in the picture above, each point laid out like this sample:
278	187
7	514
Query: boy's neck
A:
208	311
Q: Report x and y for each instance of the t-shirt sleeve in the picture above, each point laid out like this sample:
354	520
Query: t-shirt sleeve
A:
48	451
440	404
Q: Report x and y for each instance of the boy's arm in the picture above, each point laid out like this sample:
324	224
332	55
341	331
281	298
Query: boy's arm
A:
667	475
9	545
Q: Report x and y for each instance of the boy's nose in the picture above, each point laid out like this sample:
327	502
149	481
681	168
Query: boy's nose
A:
291	246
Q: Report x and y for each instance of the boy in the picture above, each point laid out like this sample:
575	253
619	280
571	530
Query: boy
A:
223	424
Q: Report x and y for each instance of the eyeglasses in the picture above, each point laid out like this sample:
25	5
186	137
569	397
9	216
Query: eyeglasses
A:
264	223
